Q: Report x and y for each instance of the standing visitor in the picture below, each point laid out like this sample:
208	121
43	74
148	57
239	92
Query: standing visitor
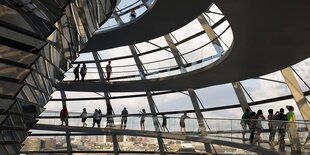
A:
259	126
76	72
245	121
291	129
108	69
252	126
83	71
182	123
164	125
100	117
110	122
96	118
281	118
124	118
84	117
132	14
64	116
272	127
142	120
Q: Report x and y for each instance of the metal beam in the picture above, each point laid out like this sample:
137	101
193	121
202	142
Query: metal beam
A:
99	68
240	95
297	93
191	92
211	34
149	98
69	147
115	144
219	49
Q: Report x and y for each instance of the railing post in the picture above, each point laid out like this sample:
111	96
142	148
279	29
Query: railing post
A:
115	144
69	147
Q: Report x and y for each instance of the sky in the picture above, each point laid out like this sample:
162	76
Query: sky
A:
214	96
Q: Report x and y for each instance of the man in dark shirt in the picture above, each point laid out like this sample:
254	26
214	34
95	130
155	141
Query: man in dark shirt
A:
124	118
280	116
245	121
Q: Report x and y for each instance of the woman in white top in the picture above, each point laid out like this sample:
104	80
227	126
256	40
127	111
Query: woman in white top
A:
84	117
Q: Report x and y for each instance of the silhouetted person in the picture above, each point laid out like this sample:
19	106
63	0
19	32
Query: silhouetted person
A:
108	69
100	118
252	126
64	116
110	122
76	72
245	121
164	125
84	117
96	118
83	71
142	120
124	118
132	14
281	117
182	123
272	127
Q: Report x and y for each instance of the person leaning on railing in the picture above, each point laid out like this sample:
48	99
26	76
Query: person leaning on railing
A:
245	121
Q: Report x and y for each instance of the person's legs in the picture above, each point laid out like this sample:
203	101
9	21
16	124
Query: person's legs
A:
281	140
125	122
108	76
244	130
294	137
83	76
76	77
142	125
182	127
272	135
98	123
67	121
94	122
252	135
258	132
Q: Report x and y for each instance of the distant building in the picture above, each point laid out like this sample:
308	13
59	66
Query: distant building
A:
32	144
